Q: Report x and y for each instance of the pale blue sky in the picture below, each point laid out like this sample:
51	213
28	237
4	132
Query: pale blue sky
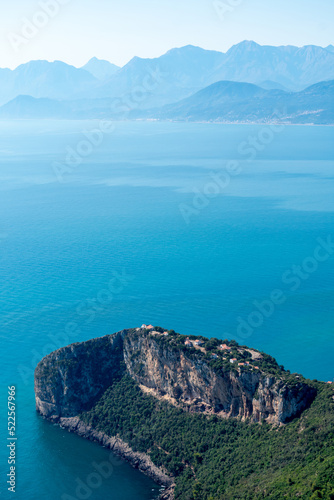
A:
118	30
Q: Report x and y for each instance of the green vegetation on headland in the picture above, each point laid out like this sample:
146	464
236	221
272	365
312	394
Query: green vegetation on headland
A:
220	360
219	459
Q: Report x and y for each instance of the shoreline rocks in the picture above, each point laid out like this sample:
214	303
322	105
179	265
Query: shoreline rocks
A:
72	379
137	460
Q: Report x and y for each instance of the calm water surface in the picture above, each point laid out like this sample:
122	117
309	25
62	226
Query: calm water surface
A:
127	237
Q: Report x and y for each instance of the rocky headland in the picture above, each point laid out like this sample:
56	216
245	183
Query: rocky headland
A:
194	374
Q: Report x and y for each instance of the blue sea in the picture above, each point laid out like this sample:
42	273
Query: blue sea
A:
218	230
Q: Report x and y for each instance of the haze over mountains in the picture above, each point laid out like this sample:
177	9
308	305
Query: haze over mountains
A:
244	102
55	80
100	69
55	89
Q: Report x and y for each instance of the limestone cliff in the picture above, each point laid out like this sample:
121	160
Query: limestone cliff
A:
188	380
71	379
197	375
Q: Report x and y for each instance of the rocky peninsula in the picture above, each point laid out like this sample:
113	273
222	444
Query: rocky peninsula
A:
192	376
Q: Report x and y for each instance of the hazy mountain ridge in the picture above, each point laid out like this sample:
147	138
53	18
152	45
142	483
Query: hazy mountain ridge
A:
55	80
173	76
290	66
230	102
100	69
240	102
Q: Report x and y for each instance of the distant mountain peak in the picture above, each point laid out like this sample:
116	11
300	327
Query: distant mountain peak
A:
189	49
39	64
97	60
100	68
185	48
181	71
249	43
243	48
237	102
246	44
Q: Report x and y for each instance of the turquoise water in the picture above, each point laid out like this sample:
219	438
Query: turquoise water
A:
134	208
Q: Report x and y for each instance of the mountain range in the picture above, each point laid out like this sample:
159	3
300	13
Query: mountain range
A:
54	80
244	102
100	69
172	85
230	102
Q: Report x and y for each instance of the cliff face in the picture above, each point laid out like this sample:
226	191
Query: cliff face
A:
191	382
71	379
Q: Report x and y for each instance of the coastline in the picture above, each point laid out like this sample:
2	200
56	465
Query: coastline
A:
223	122
137	460
158	120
